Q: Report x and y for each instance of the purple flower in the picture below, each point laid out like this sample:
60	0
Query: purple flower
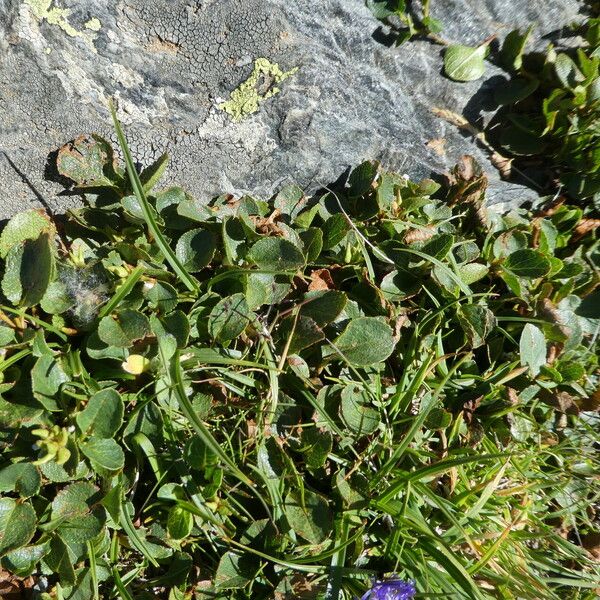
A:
391	589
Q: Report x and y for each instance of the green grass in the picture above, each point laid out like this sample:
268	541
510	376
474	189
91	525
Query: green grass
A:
290	398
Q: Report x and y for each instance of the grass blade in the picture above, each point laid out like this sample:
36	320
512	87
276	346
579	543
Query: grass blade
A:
138	189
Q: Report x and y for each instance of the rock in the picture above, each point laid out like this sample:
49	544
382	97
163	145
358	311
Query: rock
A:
329	92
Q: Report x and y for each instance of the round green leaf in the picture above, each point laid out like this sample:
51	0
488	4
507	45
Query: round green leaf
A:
527	263
463	63
195	249
162	296
366	341
438	419
235	571
23	478
123	328
22	561
356	411
276	254
80	518
104	453
532	347
472	272
324	307
309	515
17	524
335	230
26	225
229	317
103	415
179	523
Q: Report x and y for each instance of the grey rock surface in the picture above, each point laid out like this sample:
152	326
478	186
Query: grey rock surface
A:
171	63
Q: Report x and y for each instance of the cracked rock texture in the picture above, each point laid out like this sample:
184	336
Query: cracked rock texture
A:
170	63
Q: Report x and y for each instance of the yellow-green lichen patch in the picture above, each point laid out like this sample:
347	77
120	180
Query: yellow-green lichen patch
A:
93	24
261	85
44	10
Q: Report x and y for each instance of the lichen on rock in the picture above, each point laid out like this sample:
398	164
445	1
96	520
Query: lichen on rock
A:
43	9
261	85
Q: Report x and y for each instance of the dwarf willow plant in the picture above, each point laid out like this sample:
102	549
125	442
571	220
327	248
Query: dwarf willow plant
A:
547	118
297	397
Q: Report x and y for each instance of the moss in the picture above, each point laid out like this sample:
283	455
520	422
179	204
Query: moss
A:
261	85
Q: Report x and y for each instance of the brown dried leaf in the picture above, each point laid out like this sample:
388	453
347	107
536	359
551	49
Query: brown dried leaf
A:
584	227
512	396
321	280
592	403
503	164
422	234
15	588
562	401
591	542
268	225
469	407
438	145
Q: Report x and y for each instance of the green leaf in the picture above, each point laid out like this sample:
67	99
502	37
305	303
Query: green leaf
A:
28	270
511	55
162	296
508	242
229	318
521	142
151	175
527	263
195	249
26	225
477	321
366	341
356	410
463	63
316	446
23	561
189	282
88	161
439	246
17	524
290	200
103	415
179	523
23	478
312	243
60	561
438	419
76	511
234	240
567	72
123	328
104	453
7	336
515	90
47	376
335	230
382	9
305	333
235	571
276	254
177	324
472	272
532	347
309	515
323	307
361	179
